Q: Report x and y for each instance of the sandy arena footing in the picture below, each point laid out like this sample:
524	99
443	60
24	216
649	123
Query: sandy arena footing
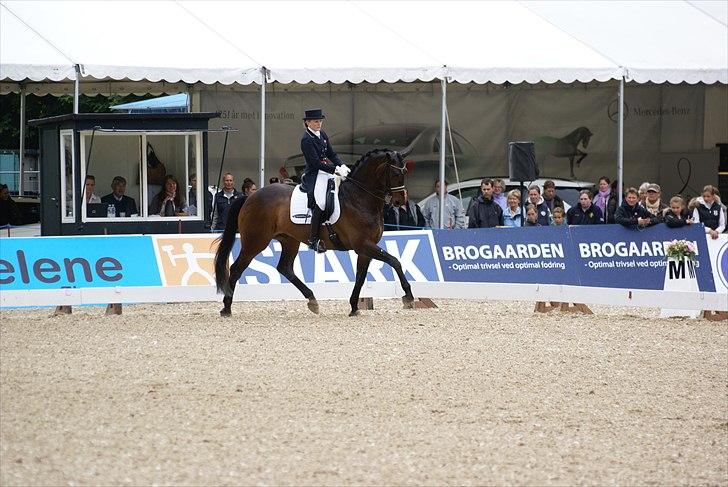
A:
467	393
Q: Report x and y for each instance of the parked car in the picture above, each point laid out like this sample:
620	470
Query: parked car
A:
566	189
424	140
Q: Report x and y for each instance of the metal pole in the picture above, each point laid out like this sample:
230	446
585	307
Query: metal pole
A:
262	127
443	115
620	143
76	88
21	183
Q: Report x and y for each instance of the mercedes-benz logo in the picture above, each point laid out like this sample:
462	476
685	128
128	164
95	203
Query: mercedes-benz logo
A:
613	110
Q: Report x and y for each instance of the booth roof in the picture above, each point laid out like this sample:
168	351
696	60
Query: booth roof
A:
319	41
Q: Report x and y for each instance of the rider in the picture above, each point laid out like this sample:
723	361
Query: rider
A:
320	160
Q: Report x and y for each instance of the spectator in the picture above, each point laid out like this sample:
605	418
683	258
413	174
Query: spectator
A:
653	203
558	216
168	202
512	216
405	217
89	191
274	181
192	195
9	210
484	212
631	214
550	197
531	216
454	212
586	212
125	205
249	187
606	200
499	196
642	193
543	211
677	216
709	212
223	200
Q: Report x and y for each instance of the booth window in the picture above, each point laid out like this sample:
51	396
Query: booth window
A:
68	177
151	164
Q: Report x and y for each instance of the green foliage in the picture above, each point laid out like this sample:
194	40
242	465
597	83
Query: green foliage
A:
48	106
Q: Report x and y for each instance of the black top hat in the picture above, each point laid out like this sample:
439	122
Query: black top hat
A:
314	114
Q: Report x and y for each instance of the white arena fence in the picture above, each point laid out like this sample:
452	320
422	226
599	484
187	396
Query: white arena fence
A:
601	264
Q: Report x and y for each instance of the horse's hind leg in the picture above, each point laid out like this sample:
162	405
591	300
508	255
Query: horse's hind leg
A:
236	270
289	251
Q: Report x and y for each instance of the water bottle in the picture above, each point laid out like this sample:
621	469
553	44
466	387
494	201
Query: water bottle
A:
111	211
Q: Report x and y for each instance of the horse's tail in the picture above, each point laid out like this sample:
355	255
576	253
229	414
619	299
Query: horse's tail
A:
225	246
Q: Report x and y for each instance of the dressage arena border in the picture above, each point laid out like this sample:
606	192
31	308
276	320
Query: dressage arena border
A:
640	298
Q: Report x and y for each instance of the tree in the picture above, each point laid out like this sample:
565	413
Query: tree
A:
48	106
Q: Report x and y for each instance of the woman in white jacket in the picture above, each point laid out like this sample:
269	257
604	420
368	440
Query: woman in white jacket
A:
709	211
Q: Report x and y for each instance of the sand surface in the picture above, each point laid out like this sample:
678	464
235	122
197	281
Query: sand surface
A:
469	393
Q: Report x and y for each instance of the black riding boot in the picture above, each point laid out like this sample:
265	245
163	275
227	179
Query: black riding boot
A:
314	242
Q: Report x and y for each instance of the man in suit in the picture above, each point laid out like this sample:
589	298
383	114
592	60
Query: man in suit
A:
320	159
125	205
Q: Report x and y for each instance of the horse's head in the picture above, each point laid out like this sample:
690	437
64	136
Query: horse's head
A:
396	170
383	171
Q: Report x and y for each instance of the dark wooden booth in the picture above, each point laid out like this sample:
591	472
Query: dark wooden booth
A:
110	146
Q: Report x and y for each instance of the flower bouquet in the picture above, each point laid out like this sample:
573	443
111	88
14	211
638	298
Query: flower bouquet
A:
680	249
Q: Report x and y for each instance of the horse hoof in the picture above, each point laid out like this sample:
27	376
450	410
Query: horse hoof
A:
408	303
355	312
225	312
313	306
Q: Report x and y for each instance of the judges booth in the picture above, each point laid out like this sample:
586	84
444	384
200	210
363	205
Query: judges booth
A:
134	160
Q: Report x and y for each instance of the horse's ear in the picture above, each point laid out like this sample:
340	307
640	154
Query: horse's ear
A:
405	152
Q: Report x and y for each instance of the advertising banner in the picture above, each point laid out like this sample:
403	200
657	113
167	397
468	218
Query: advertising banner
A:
188	260
607	256
634	259
58	262
663	123
518	255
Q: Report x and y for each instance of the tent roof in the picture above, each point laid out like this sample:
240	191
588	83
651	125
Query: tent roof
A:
180	100
319	41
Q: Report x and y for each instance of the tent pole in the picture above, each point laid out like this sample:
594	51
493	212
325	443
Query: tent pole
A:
262	126
443	115
76	88
620	142
22	140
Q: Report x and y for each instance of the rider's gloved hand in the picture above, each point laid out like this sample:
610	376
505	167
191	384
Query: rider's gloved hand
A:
342	171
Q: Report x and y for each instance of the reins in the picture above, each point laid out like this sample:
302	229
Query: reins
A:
389	190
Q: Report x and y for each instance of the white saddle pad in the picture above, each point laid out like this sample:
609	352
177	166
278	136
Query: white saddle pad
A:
301	214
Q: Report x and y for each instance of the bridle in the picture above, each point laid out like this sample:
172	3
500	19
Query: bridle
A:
390	189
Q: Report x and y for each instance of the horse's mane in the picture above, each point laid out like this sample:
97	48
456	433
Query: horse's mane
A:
367	156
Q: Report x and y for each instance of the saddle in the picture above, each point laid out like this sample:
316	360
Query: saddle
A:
326	197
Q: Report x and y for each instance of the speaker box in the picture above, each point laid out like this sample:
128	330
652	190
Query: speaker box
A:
522	161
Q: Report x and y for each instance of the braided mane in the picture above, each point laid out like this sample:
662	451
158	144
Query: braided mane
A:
366	156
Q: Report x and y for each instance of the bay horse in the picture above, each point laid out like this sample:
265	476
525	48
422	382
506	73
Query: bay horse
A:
265	215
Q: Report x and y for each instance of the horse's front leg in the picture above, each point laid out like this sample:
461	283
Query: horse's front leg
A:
377	253
362	265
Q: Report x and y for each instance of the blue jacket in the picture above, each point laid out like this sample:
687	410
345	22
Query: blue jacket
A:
315	151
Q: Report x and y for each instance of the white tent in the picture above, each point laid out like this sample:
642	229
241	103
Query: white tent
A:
348	41
226	42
